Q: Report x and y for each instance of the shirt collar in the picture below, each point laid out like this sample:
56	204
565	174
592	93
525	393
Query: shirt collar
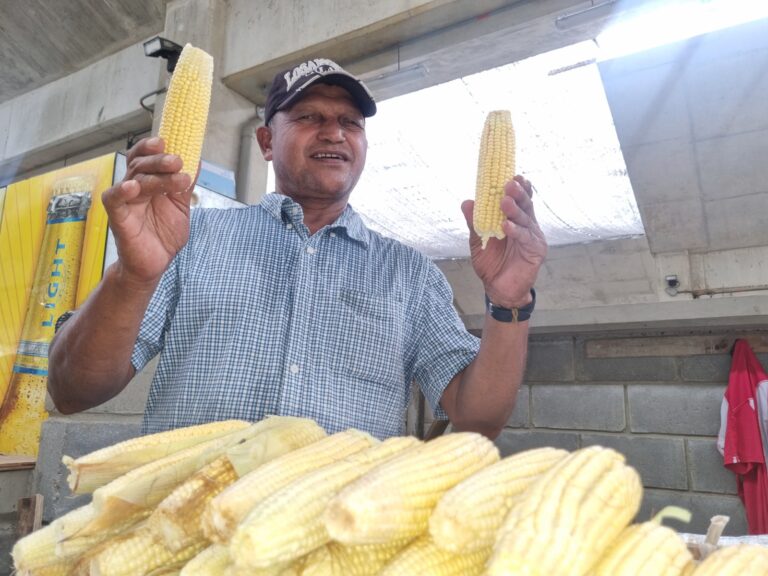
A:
348	221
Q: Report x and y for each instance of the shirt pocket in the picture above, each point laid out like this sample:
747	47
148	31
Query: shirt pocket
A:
367	337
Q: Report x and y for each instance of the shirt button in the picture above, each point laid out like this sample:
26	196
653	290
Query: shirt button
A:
332	234
294	368
289	225
310	250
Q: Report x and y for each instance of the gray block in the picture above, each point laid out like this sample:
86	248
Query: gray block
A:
702	508
660	461
675	225
550	360
514	441
578	407
706	368
690	409
625	369
729	225
708	474
74	438
521	415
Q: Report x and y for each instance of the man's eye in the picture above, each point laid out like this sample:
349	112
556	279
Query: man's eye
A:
353	123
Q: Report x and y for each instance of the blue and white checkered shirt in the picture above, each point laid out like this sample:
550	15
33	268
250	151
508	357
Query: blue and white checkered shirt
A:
255	317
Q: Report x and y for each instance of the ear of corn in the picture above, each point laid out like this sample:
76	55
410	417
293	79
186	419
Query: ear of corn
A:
212	561
102	466
495	166
425	558
335	559
394	500
646	548
288	524
178	518
738	560
146	486
35	549
136	553
468	516
185	112
229	508
569	517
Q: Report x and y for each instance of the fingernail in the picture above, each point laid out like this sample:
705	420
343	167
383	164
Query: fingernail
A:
154	141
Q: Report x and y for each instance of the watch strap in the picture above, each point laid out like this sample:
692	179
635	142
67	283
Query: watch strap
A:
502	314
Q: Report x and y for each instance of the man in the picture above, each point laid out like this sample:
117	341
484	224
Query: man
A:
293	306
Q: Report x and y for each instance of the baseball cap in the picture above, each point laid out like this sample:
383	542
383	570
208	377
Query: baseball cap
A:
290	85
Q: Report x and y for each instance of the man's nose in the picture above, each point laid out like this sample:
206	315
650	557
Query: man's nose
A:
332	131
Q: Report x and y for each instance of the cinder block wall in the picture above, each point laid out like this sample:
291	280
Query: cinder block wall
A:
662	412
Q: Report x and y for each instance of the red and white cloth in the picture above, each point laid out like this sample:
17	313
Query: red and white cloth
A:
743	437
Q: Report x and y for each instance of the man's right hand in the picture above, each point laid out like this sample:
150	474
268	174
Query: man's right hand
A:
149	211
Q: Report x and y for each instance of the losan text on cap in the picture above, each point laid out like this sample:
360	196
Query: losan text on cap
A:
309	67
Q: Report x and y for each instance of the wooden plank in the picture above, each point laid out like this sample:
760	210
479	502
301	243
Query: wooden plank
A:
660	346
9	462
30	515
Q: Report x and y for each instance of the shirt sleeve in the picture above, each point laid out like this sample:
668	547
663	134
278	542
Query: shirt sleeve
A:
157	318
444	347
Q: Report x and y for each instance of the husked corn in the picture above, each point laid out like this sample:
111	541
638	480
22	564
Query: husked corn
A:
470	514
394	500
185	112
569	517
495	166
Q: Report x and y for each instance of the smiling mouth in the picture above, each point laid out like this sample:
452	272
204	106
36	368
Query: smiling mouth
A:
327	156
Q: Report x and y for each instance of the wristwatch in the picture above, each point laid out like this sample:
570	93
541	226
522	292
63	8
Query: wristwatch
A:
501	314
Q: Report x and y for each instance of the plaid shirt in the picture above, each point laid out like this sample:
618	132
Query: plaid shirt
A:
256	317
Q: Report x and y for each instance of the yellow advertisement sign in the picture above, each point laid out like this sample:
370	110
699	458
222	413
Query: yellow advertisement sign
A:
53	232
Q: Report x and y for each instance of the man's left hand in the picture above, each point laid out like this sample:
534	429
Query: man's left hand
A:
508	267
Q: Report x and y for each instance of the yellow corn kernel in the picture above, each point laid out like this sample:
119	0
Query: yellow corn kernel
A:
335	559
178	518
76	536
146	486
137	553
738	560
102	466
425	558
288	524
394	500
495	167
569	517
645	549
185	112
34	550
468	516
54	567
212	561
229	508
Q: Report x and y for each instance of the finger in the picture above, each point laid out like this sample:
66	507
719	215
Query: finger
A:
526	184
145	147
154	164
521	197
164	184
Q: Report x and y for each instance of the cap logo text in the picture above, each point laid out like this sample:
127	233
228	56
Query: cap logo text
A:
308	68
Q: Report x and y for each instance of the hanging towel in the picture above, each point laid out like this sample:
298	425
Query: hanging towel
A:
743	436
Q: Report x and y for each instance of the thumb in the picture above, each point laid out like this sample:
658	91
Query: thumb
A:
467	208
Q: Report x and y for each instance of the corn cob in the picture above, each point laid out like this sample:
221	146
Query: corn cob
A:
136	553
212	561
394	500
569	517
185	112
229	508
468	516
146	486
425	558
288	524
177	519
34	550
496	166
741	559
335	559
646	549
102	466
55	567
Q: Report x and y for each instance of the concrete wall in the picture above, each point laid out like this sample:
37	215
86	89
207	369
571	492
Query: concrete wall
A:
662	412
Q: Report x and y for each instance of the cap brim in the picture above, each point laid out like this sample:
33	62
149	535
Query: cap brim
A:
360	94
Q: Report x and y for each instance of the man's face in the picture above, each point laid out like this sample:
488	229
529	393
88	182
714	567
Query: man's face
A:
317	146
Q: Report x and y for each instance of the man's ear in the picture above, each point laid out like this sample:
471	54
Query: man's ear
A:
264	136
